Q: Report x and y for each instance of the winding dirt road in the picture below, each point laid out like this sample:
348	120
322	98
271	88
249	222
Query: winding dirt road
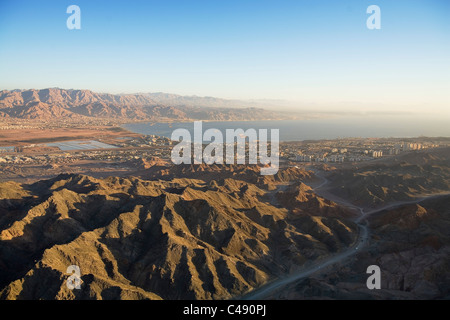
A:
362	241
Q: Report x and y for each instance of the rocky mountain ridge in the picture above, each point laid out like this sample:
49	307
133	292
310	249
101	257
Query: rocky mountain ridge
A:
160	239
55	103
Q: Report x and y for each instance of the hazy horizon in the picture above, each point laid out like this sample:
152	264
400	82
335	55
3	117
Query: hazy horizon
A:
318	54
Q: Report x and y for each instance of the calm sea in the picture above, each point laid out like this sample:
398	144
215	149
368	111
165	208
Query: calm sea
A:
398	126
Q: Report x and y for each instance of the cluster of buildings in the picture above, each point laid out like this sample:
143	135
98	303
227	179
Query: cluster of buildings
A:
7	149
117	155
412	146
145	141
18	126
377	154
351	150
129	149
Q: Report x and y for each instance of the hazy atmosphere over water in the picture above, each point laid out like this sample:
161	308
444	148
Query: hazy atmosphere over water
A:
318	54
329	128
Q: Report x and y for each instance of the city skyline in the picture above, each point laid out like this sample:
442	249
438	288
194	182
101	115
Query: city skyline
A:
316	54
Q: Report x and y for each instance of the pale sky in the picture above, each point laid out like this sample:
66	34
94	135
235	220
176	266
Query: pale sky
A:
317	53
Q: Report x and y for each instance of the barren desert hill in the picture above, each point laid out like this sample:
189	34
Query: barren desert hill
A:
249	173
302	200
41	111
139	239
400	178
411	246
406	227
55	103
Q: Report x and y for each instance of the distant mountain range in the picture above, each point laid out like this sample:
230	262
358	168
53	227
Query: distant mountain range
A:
55	103
176	100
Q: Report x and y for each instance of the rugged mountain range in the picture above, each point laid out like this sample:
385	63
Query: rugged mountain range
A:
159	239
55	103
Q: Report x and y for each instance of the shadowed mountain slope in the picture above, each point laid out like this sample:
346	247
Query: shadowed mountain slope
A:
137	239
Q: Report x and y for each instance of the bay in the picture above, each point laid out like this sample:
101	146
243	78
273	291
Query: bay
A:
361	126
